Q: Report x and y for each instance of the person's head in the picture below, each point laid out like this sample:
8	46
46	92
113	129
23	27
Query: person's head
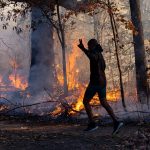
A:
92	44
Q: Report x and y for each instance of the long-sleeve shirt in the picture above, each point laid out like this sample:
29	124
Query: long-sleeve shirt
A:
97	67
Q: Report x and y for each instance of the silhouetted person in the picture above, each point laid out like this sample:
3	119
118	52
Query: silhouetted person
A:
97	83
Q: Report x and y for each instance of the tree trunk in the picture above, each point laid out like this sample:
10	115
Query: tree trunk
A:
42	55
96	26
140	60
116	38
64	69
63	45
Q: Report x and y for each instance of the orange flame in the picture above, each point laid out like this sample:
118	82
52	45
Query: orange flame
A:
18	82
73	72
111	96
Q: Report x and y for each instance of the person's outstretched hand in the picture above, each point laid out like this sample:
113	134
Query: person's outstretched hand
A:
81	46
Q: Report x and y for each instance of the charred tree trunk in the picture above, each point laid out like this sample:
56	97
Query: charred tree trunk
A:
42	55
140	59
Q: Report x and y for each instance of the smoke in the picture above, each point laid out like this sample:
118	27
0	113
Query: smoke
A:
145	4
42	54
16	59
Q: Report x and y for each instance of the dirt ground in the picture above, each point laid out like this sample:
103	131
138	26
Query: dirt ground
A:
27	136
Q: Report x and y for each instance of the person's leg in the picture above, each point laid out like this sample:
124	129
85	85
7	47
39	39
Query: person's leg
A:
89	93
104	103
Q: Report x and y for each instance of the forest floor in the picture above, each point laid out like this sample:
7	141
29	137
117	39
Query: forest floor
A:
50	136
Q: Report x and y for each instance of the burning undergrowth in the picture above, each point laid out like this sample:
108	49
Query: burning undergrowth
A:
17	99
56	105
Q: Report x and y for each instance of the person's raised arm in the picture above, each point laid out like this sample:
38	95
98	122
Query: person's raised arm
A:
90	55
81	46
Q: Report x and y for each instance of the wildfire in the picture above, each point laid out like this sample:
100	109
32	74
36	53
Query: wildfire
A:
73	72
111	96
18	82
79	104
57	111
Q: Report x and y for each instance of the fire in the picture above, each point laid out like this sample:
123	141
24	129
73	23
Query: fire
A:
79	104
111	96
73	72
18	82
15	79
57	111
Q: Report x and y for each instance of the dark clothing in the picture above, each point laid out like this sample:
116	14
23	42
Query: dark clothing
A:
97	82
91	90
97	66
